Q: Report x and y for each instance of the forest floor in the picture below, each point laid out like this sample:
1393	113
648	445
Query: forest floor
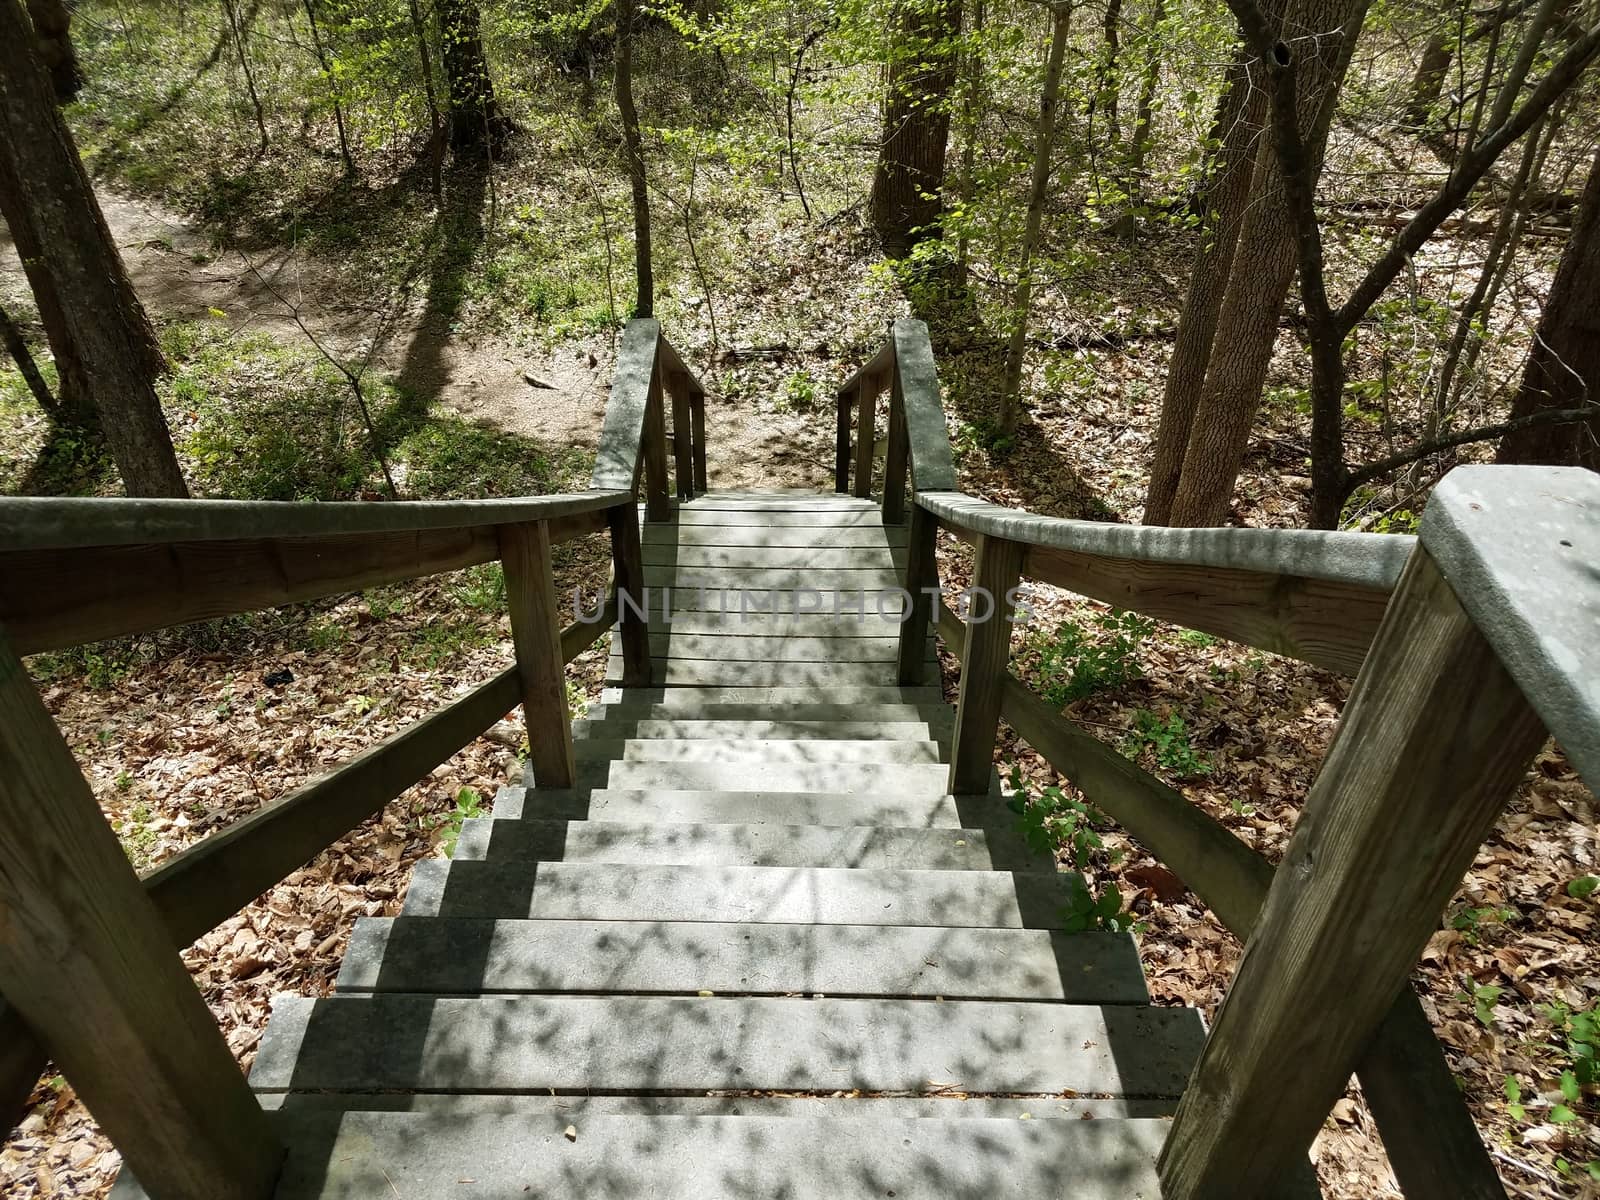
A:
181	733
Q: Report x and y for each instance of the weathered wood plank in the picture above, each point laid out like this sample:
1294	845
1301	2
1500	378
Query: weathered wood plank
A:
89	967
580	635
536	633
200	887
821	557
933	466
1432	1142
676	385
678	534
57	523
1432	742
627	573
841	443
697	418
983	666
870	372
1314	620
55	598
866	435
894	460
622	435
657	503
922	571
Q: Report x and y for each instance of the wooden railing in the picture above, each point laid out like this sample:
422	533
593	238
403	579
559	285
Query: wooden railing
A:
89	964
1468	644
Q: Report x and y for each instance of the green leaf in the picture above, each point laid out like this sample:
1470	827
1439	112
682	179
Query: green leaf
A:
1569	1087
1560	1114
1583	887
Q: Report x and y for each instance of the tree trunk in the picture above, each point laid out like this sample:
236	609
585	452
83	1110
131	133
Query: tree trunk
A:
1563	368
56	212
1107	78
909	176
644	302
1144	112
231	11
436	138
1044	142
17	346
52	31
1241	111
477	128
1323	35
333	87
1428	82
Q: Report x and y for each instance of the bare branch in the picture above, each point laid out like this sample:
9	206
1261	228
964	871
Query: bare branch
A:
1483	433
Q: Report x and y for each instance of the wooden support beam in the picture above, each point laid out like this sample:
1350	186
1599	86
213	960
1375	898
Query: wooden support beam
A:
677	386
866	434
697	420
983	665
536	632
1433	740
841	442
627	569
1318	621
657	504
66	597
894	460
922	571
1428	1132
89	967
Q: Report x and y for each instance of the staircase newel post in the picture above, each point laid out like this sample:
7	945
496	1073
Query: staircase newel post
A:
657	503
983	663
1434	738
682	432
633	601
895	457
841	441
90	968
922	571
697	421
866	434
541	667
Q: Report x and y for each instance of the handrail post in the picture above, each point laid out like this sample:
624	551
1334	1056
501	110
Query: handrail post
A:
995	574
894	461
657	504
677	386
697	421
866	435
536	635
627	568
1434	737
841	441
921	572
90	969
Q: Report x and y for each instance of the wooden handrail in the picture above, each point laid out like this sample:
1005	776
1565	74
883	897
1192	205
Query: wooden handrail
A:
633	438
1487	637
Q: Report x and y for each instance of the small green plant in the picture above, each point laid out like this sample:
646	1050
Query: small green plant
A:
323	635
1580	1033
1470	920
1054	820
1168	738
1583	887
577	700
483	587
1085	911
1076	660
1196	638
798	393
469	803
124	779
1483	998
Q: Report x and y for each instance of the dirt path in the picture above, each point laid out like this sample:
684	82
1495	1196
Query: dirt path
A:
178	274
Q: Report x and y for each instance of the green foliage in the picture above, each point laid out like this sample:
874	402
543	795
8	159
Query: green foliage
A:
1583	886
1470	920
482	587
1055	821
469	803
1168	738
1483	998
1085	911
1079	659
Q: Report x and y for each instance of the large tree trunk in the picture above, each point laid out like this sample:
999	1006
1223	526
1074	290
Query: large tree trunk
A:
52	28
906	184
51	208
1323	34
633	144
1240	113
477	128
1428	82
1563	368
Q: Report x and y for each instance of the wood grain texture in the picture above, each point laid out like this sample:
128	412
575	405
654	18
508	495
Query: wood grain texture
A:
984	655
1432	742
933	465
622	435
50	599
536	633
866	434
894	460
653	454
677	387
922	571
1327	624
1432	1141
627	572
90	968
697	422
841	442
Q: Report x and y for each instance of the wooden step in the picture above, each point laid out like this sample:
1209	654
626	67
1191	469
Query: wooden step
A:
460	957
675	643
773	895
679	534
768	751
770	695
722	807
912	779
745	845
686	708
604	728
710	673
529	1043
747	558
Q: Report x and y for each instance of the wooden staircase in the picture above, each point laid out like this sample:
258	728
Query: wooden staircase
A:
756	951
